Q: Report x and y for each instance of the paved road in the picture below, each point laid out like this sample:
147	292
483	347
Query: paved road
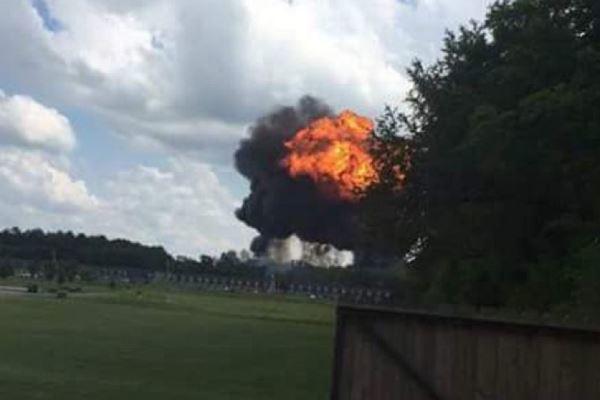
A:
22	291
12	290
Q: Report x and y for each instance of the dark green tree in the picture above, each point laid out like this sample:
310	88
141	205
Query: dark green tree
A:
502	197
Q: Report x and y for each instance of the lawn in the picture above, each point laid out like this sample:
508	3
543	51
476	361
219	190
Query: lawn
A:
164	345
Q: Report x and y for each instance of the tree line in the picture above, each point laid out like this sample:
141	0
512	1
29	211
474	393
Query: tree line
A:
43	251
63	256
37	245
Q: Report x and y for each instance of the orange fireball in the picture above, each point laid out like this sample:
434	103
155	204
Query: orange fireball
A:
334	153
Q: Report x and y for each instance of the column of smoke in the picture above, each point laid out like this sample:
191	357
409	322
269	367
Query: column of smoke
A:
288	211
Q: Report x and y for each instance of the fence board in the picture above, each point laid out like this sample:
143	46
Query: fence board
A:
409	355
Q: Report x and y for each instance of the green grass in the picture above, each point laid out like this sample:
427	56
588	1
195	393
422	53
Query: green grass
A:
164	345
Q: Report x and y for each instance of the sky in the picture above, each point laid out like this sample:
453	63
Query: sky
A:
120	117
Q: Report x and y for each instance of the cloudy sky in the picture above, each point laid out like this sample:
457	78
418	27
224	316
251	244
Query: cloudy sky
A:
120	117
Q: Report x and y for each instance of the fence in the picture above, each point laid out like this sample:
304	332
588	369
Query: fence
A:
409	355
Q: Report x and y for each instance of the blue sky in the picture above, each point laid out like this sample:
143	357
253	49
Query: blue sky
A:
49	21
120	117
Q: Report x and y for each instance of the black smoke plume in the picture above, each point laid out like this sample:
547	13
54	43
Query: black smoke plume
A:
279	205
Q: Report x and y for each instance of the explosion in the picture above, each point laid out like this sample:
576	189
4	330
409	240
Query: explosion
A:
334	153
310	171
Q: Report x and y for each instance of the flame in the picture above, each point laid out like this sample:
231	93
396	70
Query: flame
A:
334	153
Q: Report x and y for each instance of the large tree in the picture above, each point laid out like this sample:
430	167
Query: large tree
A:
502	197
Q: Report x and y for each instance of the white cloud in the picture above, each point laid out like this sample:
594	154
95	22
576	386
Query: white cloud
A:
182	205
189	74
31	179
24	121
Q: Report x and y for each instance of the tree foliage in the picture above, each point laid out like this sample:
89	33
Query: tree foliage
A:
502	197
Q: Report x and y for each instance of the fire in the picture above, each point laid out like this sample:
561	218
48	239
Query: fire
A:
334	153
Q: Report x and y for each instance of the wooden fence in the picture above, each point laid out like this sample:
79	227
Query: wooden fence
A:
409	355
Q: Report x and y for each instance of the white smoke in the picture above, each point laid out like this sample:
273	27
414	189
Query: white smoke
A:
283	251
292	249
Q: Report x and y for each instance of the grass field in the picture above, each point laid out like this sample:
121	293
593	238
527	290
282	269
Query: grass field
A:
164	345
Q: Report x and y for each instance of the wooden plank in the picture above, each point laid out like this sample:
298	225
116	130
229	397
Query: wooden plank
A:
408	373
465	363
391	375
528	358
399	344
359	388
400	376
395	336
371	361
496	324
590	372
549	369
443	362
339	349
572	357
456	379
387	373
349	335
424	345
507	379
367	369
408	351
487	354
567	380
